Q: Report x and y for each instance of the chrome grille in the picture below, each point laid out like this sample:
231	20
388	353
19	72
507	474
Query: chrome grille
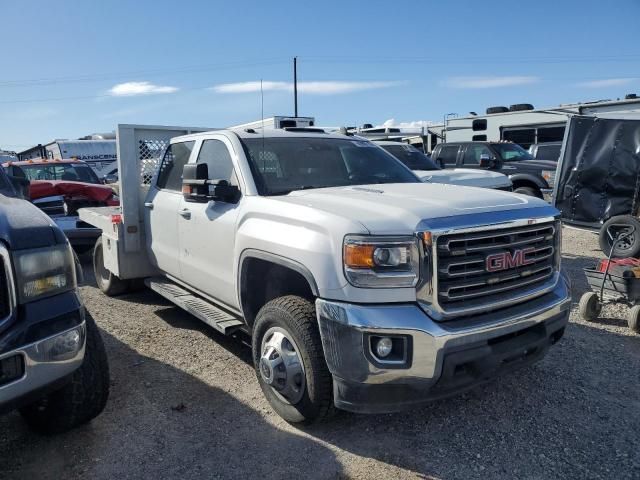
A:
476	269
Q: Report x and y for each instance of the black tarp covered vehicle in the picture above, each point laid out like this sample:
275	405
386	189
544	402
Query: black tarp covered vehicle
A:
598	178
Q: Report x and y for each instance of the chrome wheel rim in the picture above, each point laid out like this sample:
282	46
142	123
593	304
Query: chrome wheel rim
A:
280	365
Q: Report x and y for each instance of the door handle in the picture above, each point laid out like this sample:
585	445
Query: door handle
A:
148	205
185	213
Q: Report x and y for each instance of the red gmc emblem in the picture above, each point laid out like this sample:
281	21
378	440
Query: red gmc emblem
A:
506	260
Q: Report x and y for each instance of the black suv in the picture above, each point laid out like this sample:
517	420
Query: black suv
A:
53	365
529	176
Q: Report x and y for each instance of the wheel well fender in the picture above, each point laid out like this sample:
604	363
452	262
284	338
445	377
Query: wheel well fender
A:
520	180
263	276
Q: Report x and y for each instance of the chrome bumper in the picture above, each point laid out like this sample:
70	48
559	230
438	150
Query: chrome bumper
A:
547	194
486	344
44	362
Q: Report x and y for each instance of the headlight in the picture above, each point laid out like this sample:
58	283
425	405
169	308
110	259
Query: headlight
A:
381	262
549	176
43	272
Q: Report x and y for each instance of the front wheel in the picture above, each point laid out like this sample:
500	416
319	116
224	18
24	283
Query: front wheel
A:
589	306
633	319
82	399
529	191
289	360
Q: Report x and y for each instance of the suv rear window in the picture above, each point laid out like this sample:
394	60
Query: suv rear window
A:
447	155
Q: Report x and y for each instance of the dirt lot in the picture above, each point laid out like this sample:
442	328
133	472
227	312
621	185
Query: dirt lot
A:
185	404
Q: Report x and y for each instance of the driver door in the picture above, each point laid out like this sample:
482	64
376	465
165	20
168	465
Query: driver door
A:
207	230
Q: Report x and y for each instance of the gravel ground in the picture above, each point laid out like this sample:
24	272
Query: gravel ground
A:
185	404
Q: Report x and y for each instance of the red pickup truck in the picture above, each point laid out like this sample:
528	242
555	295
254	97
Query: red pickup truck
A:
60	188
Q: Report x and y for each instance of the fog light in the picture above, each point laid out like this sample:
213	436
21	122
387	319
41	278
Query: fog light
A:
62	347
384	347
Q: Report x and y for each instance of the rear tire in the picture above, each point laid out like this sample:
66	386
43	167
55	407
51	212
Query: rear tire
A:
107	282
630	246
82	399
532	192
589	306
294	317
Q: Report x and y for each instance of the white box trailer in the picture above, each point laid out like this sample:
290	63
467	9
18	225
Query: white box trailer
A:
278	122
139	150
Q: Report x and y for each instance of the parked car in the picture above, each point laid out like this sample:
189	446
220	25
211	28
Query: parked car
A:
424	167
361	287
599	179
529	177
546	151
53	365
60	188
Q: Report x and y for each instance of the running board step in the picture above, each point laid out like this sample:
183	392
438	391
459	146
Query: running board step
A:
210	314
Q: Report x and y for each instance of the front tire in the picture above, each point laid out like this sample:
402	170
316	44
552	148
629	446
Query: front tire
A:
107	282
289	360
633	319
529	191
82	399
589	306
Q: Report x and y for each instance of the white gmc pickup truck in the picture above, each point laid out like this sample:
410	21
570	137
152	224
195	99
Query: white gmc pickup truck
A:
361	287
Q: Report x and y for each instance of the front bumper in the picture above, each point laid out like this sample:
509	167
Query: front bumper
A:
443	358
547	194
78	232
27	371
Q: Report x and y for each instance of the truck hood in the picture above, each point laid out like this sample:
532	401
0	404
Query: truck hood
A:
400	208
465	176
535	164
47	188
23	225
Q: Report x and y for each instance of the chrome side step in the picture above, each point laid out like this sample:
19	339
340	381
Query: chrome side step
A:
210	314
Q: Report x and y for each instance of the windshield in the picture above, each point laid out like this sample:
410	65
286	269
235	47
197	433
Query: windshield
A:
281	165
511	152
72	172
411	157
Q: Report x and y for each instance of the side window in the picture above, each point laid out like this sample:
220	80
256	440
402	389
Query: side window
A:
479	125
175	158
472	155
216	155
448	155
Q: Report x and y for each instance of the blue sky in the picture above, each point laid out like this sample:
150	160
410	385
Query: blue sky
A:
70	68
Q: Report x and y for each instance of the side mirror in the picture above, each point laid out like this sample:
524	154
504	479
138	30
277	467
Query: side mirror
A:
196	186
486	161
21	186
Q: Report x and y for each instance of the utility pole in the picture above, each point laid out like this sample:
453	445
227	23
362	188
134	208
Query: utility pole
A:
295	86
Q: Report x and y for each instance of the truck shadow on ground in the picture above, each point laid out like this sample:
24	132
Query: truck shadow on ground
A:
573	415
161	422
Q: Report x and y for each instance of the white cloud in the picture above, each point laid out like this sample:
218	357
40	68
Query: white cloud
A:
608	82
489	82
128	89
317	88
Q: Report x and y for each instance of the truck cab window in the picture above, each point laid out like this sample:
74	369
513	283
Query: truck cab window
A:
216	155
448	155
170	174
472	155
